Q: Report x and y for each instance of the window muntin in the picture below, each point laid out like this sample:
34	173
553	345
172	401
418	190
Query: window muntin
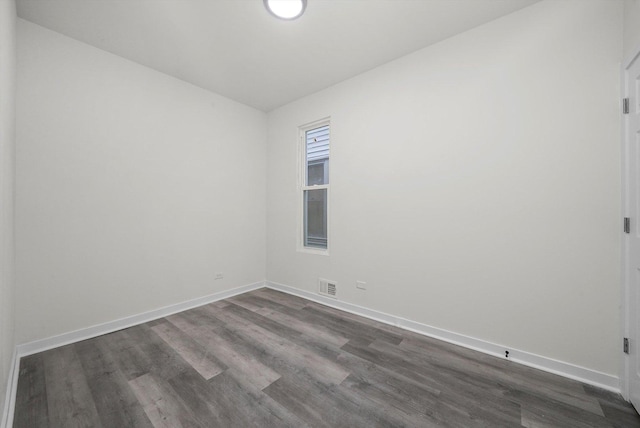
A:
315	188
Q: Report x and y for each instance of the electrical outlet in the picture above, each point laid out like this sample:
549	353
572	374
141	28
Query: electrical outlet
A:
219	275
361	285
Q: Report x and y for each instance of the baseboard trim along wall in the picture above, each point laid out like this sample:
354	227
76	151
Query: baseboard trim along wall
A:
582	374
111	326
571	371
10	397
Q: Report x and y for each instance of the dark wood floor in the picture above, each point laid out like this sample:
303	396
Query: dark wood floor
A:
267	359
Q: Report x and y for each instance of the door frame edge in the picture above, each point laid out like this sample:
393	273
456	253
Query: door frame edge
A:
624	242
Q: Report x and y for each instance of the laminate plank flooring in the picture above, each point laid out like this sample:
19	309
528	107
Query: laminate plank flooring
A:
32	394
268	359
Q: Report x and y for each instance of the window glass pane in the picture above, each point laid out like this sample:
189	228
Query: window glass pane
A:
315	173
315	218
317	156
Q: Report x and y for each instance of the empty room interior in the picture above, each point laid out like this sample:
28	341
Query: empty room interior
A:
322	213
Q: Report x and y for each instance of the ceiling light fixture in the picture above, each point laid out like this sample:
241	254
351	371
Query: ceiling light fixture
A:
286	9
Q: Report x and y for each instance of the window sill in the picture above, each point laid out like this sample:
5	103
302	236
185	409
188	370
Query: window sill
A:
317	251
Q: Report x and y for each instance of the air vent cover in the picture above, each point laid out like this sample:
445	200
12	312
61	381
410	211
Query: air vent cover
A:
328	288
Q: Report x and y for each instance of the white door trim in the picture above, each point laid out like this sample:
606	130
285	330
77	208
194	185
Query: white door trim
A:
626	63
624	242
625	180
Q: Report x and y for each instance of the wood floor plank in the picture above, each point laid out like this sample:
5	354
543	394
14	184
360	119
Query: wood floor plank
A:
409	412
311	342
309	330
352	329
226	402
329	406
498	371
481	365
163	360
620	416
156	322
619	413
256	372
536	410
392	330
162	404
131	360
238	300
31	396
293	302
252	317
475	363
484	399
297	319
264	302
195	392
407	394
192	352
201	316
532	419
69	400
220	303
299	356
115	402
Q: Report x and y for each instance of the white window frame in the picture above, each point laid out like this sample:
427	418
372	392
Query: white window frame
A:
302	179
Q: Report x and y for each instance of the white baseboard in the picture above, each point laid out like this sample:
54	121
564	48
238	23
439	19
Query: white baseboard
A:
12	387
111	326
571	371
98	330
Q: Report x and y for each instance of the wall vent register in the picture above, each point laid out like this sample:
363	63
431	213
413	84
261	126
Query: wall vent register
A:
327	288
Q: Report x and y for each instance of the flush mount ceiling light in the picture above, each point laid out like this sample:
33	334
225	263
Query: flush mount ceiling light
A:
286	9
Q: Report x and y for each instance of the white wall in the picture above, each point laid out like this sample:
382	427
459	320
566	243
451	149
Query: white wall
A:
7	165
475	184
631	27
133	188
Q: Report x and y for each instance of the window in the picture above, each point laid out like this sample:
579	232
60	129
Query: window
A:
315	186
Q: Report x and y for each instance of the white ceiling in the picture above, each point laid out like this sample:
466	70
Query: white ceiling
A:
237	49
